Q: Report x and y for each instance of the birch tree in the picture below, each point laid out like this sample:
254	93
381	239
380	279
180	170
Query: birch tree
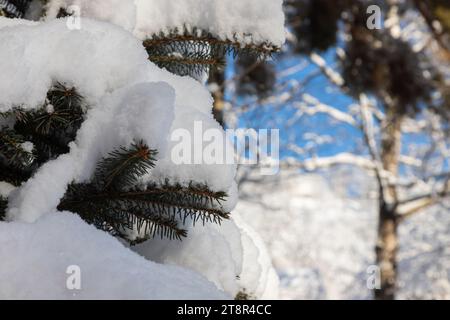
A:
395	124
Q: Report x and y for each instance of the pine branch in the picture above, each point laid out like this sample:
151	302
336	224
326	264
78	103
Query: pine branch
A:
61	113
119	220
196	39
12	150
14	175
170	203
114	203
187	66
123	167
49	129
52	127
195	51
64	97
156	225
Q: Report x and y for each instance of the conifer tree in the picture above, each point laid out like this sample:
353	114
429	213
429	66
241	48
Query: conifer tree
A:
113	200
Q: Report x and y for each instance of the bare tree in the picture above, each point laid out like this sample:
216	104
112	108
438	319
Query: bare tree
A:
397	79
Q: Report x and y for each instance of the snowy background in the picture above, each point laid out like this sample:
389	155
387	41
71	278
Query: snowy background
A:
322	241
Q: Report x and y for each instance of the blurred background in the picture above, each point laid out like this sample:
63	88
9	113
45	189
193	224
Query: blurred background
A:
361	96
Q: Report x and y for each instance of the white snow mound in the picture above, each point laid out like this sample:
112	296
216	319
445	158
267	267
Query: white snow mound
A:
37	260
129	99
247	21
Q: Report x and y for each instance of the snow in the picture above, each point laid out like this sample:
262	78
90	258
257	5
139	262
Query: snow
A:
36	257
6	189
320	232
34	56
231	255
247	21
424	256
320	245
258	277
27	146
129	99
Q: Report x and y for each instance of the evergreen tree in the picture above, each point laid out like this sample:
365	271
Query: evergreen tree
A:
114	200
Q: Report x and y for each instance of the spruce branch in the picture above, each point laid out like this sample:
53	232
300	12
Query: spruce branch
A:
120	218
12	150
151	206
192	52
124	166
62	110
113	201
49	129
14	175
65	97
53	126
156	225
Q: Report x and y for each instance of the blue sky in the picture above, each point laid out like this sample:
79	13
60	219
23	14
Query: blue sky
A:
347	138
323	90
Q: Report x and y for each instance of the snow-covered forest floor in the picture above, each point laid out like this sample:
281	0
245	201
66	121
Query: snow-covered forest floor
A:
321	234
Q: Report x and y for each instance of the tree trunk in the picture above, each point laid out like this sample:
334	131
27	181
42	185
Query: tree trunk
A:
386	251
387	242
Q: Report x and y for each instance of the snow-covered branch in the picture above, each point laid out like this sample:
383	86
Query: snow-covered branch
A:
332	75
312	106
412	205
